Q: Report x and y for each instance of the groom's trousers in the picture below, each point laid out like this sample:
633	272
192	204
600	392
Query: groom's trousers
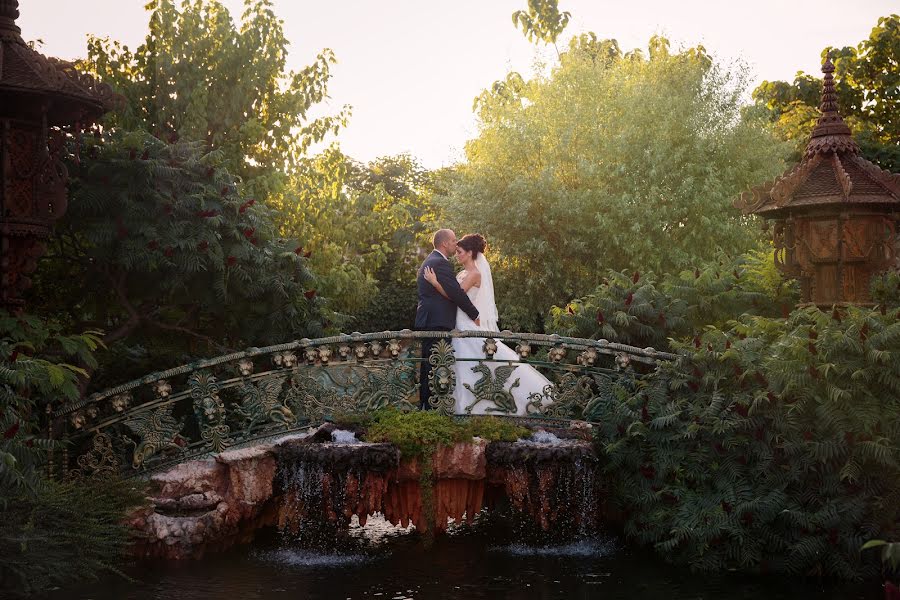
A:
425	369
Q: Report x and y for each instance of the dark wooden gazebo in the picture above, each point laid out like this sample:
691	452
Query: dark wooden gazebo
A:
42	100
835	214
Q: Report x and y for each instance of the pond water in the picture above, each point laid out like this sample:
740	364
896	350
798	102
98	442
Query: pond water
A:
380	562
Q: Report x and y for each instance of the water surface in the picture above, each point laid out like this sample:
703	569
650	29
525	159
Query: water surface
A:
387	563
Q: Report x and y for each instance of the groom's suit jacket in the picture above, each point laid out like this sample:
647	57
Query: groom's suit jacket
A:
434	311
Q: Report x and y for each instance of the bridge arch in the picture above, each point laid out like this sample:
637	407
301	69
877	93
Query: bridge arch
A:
229	401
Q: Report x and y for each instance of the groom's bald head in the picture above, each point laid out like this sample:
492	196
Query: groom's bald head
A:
445	241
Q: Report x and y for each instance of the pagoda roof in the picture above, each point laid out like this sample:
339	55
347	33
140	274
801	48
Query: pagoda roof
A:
31	82
831	172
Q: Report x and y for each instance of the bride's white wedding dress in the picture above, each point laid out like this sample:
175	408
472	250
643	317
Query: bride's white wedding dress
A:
523	381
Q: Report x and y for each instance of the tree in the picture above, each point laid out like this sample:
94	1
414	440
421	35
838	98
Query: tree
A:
610	161
409	191
199	77
542	21
159	250
867	79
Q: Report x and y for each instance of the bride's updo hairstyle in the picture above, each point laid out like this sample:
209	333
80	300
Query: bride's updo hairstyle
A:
474	243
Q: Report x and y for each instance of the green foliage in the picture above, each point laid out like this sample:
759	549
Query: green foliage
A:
50	533
199	76
774	444
34	371
890	552
866	84
65	533
495	429
415	433
159	249
641	309
361	224
609	161
542	21
421	433
886	289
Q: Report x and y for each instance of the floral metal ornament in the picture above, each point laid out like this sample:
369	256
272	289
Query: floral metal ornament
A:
491	388
261	402
307	398
99	462
442	379
158	431
209	410
565	400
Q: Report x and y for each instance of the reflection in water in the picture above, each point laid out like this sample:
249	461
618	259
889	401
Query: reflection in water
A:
485	561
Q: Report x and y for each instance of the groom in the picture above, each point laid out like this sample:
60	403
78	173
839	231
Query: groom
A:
434	312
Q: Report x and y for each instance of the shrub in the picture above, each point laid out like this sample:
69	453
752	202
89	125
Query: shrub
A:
773	444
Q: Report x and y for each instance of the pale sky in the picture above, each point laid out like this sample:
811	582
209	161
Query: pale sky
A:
411	68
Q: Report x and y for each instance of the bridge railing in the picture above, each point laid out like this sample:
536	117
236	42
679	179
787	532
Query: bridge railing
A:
214	404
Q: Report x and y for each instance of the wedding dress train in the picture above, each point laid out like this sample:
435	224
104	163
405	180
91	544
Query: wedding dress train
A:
497	386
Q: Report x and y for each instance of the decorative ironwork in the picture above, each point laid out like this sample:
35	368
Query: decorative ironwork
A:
442	378
158	431
203	408
491	388
306	396
835	213
209	410
391	386
261	402
563	400
99	462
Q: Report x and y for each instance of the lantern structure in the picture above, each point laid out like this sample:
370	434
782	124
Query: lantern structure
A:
42	100
835	214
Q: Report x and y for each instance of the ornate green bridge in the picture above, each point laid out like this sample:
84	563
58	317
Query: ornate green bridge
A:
238	399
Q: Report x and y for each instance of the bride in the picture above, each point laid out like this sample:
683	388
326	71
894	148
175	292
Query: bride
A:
519	382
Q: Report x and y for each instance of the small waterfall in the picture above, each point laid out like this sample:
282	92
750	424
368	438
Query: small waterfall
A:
342	436
544	437
332	482
551	481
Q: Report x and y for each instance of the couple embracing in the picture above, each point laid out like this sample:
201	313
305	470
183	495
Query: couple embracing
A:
465	302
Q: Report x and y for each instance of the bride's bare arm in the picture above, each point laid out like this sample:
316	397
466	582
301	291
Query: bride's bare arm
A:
431	277
472	279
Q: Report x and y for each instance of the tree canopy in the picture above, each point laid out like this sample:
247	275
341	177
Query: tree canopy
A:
199	76
610	160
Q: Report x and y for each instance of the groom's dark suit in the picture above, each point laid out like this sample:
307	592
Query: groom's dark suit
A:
436	313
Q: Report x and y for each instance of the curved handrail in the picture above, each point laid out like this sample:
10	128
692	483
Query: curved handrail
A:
602	346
